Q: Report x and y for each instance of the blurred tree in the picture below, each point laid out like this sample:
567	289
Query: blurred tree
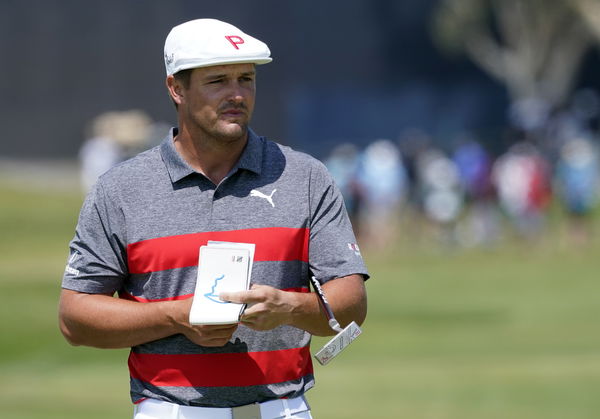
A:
534	47
590	12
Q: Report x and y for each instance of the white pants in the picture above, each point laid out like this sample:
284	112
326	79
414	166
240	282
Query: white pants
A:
296	408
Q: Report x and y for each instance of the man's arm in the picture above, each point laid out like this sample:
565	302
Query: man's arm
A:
103	321
270	307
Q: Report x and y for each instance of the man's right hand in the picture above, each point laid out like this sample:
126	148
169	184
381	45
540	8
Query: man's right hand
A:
102	321
205	335
211	335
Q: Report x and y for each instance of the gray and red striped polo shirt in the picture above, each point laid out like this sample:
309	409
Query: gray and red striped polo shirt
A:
139	232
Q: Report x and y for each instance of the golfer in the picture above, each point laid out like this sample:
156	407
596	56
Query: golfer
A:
212	178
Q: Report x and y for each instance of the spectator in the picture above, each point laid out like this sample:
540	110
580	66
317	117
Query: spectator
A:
480	223
577	183
441	192
521	177
343	166
115	136
382	185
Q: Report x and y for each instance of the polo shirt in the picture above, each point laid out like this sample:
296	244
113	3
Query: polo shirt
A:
139	233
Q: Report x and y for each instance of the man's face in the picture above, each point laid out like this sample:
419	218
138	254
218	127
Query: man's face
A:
219	100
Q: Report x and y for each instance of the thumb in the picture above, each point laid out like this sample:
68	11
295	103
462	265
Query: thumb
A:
241	296
237	296
231	296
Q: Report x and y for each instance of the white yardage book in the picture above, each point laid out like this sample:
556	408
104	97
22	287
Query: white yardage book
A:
222	267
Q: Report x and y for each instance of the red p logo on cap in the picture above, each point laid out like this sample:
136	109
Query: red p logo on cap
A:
235	40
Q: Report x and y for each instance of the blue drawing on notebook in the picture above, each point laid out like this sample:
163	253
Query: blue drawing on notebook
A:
215	297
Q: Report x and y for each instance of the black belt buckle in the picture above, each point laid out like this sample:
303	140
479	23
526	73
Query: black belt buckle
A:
248	411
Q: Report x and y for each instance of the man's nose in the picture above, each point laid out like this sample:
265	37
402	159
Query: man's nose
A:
237	93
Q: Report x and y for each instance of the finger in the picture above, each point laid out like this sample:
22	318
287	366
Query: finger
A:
218	338
207	328
253	311
247	317
216	333
216	342
250	323
240	297
231	297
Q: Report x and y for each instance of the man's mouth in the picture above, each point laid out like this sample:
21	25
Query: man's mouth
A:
232	112
233	108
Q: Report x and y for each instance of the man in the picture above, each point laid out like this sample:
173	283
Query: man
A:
212	178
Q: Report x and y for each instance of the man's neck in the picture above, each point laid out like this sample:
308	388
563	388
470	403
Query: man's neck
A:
214	158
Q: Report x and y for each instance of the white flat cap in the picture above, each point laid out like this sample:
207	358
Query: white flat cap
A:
206	42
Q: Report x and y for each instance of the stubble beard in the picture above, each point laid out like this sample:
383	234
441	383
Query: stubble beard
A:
230	133
222	131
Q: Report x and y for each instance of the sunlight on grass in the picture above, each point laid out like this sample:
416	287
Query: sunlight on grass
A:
507	332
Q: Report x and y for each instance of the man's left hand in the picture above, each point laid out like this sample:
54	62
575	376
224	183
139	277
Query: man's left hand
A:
267	307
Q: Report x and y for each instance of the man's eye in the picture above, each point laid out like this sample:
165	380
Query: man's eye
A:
215	81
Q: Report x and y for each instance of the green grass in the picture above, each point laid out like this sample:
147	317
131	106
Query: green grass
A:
508	332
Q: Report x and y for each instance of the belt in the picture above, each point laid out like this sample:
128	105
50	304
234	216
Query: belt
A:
280	408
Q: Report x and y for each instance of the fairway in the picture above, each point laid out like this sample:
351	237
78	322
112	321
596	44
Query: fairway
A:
505	332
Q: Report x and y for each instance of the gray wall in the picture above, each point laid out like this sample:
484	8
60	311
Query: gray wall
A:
342	70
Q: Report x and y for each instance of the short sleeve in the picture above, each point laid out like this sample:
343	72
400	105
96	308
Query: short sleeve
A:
333	251
97	257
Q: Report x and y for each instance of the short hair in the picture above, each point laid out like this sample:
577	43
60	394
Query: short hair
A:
183	77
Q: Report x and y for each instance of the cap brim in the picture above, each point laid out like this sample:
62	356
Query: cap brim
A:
220	61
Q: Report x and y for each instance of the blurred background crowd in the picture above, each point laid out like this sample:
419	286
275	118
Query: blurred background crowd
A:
466	195
462	195
459	121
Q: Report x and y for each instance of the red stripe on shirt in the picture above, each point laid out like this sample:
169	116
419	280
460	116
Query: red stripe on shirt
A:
221	370
126	296
296	289
272	244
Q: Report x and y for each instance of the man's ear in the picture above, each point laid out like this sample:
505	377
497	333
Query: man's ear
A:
175	88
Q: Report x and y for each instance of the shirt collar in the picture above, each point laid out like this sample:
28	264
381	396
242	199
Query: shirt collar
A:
252	156
177	167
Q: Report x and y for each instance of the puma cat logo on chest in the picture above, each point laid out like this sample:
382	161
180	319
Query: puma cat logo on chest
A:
259	194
